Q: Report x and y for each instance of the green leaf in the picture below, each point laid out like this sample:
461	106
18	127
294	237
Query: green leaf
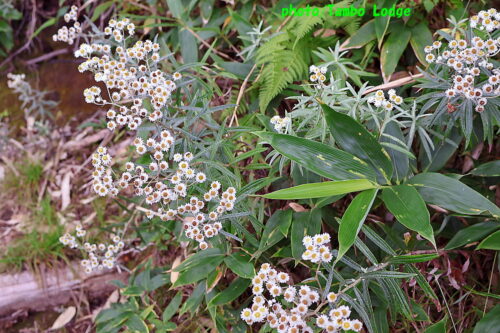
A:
176	8
194	300
492	242
353	220
439	327
409	209
46	24
235	289
489	169
197	273
101	9
490	323
136	324
471	234
421	36
452	194
199	258
272	233
400	161
319	190
172	307
239	263
387	274
354	138
319	158
189	46
360	38
382	22
409	258
393	49
297	233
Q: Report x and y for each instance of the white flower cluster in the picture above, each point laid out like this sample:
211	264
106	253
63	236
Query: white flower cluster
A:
317	74
166	188
100	256
464	85
116	28
17	82
131	76
270	309
464	57
468	59
338	319
486	20
65	34
280	124
316	249
379	100
287	308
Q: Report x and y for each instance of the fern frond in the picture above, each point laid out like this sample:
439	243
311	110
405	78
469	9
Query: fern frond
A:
276	44
353	25
300	26
285	68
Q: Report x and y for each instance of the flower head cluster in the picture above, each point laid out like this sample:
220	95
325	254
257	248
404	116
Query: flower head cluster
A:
316	249
469	59
65	34
464	86
269	288
164	185
379	100
317	74
131	76
100	256
486	20
280	124
338	319
117	28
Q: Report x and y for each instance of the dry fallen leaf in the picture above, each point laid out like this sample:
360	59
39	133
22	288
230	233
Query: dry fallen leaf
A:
175	275
64	318
65	191
296	207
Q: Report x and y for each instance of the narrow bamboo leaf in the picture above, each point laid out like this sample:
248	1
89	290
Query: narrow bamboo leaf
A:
194	300
408	259
239	263
489	323
355	139
136	324
196	273
387	274
172	307
319	158
382	22
421	36
360	38
298	232
324	189
452	194
199	258
439	327
492	242
490	169
400	161
393	49
272	233
353	219
235	289
409	208
471	234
